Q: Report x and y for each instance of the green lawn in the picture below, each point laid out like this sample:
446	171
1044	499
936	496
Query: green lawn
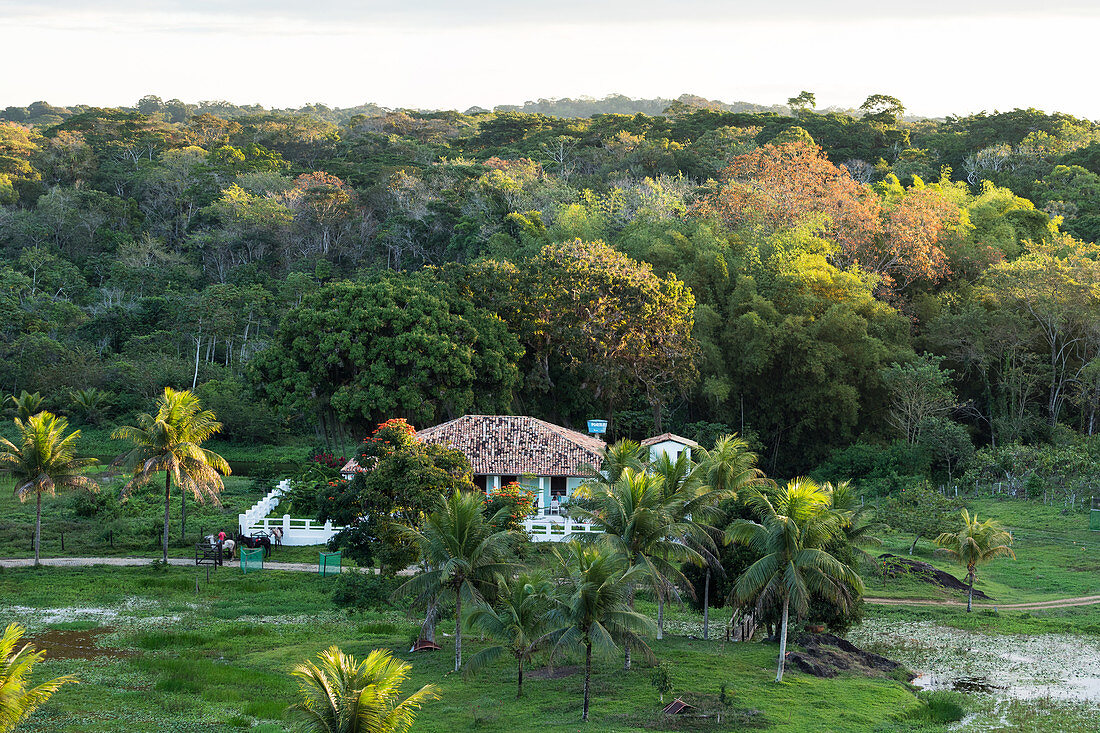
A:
1056	556
219	659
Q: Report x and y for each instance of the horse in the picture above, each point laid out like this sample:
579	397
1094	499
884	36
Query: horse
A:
228	546
253	542
276	534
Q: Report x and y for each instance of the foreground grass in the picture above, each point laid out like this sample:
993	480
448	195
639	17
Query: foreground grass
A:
220	659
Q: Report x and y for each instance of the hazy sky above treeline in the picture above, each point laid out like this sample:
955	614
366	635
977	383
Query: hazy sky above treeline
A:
937	56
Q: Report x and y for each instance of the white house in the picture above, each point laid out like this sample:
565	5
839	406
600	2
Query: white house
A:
546	458
668	444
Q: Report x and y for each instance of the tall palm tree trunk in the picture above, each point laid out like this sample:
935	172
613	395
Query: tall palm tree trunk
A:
167	507
431	619
783	641
519	687
458	630
706	607
587	676
970	590
183	516
37	527
660	616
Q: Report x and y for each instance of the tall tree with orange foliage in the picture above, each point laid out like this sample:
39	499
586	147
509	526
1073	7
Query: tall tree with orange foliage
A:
791	184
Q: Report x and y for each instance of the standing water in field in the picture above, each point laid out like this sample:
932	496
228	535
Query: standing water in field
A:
1005	666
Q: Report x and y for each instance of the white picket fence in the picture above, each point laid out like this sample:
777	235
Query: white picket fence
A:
296	532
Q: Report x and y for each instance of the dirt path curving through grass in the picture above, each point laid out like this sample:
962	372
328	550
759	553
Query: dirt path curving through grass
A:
1034	605
83	562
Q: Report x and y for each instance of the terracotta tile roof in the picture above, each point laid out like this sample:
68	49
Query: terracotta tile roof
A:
512	445
669	436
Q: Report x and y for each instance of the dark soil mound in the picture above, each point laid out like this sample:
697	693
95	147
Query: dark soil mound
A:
896	566
826	655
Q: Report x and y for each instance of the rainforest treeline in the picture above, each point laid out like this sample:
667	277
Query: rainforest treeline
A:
860	290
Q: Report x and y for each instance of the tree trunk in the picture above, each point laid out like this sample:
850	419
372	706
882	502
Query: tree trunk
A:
626	644
660	616
458	631
183	516
913	546
198	344
783	641
519	686
706	607
37	527
431	618
970	591
587	677
167	507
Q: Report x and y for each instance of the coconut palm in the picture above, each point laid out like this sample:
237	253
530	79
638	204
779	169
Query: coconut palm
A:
730	466
617	458
517	621
43	462
974	544
17	700
591	609
26	404
89	404
855	530
464	554
171	441
793	529
642	524
345	695
727	469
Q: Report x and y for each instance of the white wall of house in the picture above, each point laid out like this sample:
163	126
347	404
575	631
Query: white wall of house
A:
671	448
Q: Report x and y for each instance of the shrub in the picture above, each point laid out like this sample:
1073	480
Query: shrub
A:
363	591
513	503
945	706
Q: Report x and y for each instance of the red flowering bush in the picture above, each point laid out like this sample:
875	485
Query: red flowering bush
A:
511	504
387	438
329	460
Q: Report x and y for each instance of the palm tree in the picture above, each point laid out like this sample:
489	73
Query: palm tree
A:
517	621
26	404
727	469
973	544
44	462
346	695
592	607
464	555
793	529
89	403
171	441
855	531
617	458
17	701
642	524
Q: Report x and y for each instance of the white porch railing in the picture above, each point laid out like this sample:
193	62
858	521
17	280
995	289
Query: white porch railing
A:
553	528
296	532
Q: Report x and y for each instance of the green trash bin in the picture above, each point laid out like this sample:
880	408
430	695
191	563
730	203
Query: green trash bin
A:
252	560
328	563
1094	520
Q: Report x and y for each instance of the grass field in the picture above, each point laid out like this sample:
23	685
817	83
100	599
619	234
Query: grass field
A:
219	659
1057	556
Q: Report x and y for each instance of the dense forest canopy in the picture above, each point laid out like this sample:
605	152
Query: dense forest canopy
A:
824	282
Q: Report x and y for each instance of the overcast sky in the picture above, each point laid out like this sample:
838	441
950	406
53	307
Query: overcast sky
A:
937	56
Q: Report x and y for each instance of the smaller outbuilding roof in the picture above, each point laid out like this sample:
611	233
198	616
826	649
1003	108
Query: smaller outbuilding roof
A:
669	438
677	706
